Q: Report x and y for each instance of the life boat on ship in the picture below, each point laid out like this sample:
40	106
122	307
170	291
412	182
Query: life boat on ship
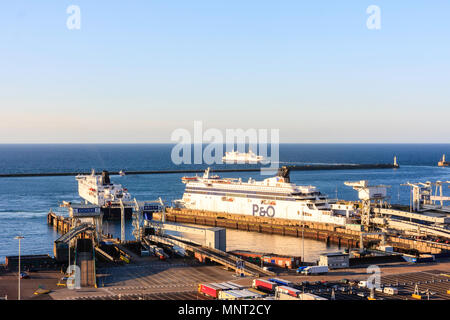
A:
185	179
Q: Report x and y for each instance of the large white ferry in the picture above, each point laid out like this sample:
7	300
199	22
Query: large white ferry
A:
274	197
242	157
98	189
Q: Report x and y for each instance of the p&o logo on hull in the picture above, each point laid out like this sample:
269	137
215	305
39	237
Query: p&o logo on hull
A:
268	211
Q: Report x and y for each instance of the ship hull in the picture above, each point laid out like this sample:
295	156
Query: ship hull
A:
291	210
115	213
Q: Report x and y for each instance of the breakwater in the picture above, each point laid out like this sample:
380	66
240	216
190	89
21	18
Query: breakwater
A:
311	167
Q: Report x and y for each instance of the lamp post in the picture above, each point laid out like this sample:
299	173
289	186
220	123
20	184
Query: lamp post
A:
19	238
303	239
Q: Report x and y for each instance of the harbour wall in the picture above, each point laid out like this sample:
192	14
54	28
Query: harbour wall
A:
329	233
292	168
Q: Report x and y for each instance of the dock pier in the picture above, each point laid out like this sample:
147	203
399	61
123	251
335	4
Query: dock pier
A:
311	230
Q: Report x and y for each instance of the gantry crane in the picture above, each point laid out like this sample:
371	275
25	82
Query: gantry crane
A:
424	198
368	194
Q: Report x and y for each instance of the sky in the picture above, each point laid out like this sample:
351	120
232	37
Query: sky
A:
136	71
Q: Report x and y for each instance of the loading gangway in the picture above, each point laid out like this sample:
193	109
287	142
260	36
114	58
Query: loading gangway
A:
221	257
65	238
418	227
435	218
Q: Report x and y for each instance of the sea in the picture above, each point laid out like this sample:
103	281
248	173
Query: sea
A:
25	202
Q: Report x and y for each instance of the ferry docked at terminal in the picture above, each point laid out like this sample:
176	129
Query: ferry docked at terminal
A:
98	190
274	197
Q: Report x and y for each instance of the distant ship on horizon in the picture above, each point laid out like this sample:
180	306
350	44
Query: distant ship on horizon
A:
242	157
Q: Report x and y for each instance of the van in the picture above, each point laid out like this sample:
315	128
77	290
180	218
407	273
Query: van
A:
391	291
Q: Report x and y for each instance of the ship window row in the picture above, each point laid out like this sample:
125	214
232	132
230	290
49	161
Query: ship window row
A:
252	196
304	196
247	195
310	194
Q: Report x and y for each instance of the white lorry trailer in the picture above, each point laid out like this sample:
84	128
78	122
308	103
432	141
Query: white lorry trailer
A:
311	270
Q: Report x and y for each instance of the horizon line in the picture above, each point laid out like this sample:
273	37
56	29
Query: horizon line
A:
174	143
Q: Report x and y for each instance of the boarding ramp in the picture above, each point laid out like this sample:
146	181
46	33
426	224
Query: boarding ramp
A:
431	218
418	228
65	238
85	260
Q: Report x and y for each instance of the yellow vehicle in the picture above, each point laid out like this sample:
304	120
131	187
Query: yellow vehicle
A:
122	257
41	291
62	282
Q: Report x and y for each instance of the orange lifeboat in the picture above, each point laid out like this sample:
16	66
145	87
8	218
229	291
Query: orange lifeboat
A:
185	179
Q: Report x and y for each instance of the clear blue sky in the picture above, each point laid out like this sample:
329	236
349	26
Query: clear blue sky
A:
309	68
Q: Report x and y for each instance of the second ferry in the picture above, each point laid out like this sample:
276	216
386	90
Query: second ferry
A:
97	189
274	197
242	157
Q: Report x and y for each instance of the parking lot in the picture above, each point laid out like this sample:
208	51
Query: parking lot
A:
150	280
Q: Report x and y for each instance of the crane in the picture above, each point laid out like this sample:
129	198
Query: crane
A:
367	194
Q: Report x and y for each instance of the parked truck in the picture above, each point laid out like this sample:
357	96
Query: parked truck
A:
288	290
210	289
312	270
264	285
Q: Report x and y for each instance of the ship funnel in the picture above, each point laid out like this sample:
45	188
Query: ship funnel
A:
283	172
105	178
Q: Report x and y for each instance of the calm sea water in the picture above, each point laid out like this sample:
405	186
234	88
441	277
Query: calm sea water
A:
24	202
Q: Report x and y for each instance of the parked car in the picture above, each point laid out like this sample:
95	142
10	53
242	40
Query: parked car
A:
24	275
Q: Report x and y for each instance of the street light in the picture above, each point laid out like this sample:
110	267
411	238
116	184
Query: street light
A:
19	238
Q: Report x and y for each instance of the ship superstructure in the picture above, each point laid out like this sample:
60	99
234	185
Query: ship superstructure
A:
98	189
241	157
274	197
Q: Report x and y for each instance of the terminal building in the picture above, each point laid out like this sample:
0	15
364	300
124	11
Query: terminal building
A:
334	260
